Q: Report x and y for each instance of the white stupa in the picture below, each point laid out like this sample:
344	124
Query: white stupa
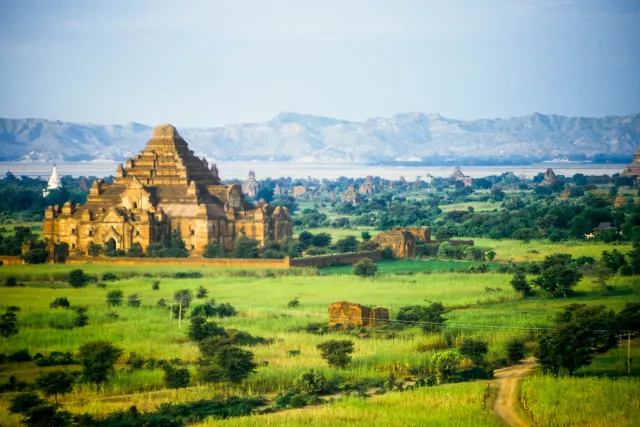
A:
54	182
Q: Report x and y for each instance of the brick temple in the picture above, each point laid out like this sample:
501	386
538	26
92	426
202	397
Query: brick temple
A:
163	190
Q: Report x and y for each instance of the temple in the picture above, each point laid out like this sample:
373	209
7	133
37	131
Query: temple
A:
164	190
634	168
54	182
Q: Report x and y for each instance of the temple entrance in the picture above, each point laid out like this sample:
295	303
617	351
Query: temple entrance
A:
110	245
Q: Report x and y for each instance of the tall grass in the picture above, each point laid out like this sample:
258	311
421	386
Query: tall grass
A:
596	402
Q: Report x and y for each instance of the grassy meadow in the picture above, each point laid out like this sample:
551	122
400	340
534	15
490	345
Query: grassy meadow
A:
481	305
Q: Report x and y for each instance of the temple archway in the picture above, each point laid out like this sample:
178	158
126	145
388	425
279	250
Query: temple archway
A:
110	245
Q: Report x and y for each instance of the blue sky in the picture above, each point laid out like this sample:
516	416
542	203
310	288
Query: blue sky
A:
208	63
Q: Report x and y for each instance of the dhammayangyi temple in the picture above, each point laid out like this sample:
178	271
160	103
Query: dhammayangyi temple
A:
164	190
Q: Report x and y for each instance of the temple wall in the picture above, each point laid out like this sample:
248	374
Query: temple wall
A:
328	260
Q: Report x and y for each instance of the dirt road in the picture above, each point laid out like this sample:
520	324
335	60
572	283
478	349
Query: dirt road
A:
507	380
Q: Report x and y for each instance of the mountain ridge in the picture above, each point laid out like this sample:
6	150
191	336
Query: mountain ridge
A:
308	138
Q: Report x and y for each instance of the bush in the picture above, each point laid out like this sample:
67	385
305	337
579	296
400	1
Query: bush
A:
365	268
155	285
134	301
11	282
515	350
312	381
77	278
114	298
20	356
474	373
202	292
56	358
60	302
293	303
81	318
35	256
187	275
429	318
109	277
474	349
337	353
201	329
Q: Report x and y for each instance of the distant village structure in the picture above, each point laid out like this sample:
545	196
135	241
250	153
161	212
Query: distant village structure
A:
163	191
459	176
54	182
367	187
620	201
350	196
250	186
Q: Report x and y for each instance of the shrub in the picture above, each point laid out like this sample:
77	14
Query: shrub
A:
337	353
11	282
202	292
293	303
161	303
155	285
35	256
445	363
20	356
226	310
77	278
187	275
56	358
81	318
515	350
109	277
429	318
312	381
474	349
474	373
201	329
60	302
365	268
114	297
134	301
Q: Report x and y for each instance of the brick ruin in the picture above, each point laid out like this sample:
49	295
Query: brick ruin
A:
352	315
164	190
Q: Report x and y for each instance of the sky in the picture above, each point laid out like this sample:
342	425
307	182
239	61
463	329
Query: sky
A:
211	63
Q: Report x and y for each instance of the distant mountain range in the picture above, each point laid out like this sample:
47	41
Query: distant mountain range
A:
404	138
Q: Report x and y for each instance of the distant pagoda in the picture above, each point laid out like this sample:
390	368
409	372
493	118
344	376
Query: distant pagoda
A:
54	182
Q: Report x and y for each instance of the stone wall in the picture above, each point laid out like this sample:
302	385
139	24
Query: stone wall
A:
10	260
328	260
195	262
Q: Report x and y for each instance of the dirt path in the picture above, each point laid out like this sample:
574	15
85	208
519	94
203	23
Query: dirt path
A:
507	380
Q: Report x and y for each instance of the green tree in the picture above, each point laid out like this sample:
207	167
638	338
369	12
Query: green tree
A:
135	251
429	318
11	282
613	260
214	250
114	298
599	273
77	278
81	320
9	321
366	236
94	250
558	274
55	383
98	359
365	268
445	364
580	331
35	256
628	319
62	302
38	413
175	377
177	247
634	257
202	292
200	329
245	247
347	244
312	381
519	282
306	238
227	363
474	349
337	353
368	245
133	301
321	240
515	350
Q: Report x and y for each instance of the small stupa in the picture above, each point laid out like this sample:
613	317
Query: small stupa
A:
54	182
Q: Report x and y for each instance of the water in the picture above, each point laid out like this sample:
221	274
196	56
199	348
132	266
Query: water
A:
240	170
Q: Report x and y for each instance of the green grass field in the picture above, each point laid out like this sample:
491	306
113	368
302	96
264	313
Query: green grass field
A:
481	305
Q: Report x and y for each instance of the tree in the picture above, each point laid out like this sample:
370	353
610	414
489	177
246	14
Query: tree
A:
347	244
184	297
613	260
321	240
38	413
429	318
312	381
365	268
214	250
445	364
634	257
519	282
9	321
337	353
228	363
77	278
245	247
474	349
202	292
176	378
369	245
97	359
114	297
81	320
35	256
366	236
135	251
55	383
201	329
580	331
94	250
600	274
558	274
11	282
133	301
515	350
306	238
177	247
629	317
